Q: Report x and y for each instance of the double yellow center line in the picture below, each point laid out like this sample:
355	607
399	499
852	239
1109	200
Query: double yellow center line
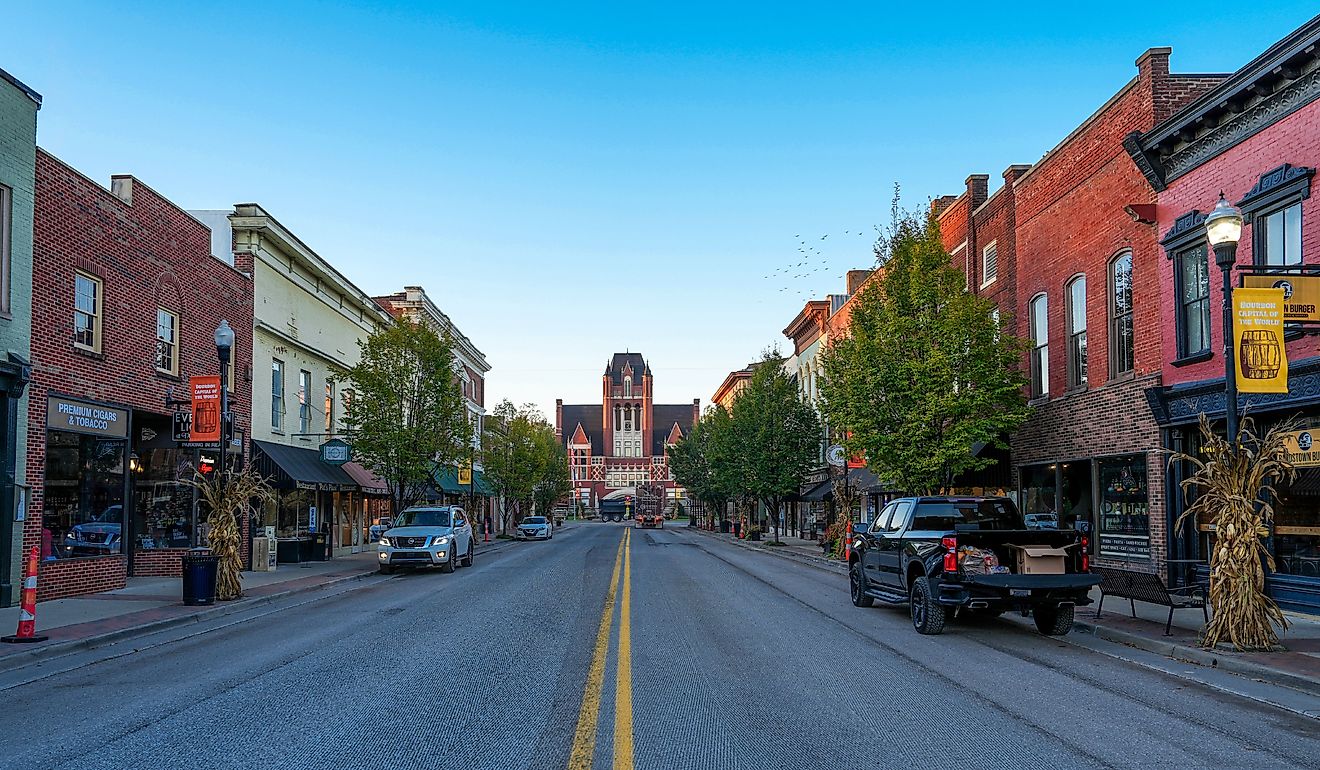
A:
584	738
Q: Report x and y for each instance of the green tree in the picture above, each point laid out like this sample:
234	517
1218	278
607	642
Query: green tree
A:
407	414
523	461
926	372
775	436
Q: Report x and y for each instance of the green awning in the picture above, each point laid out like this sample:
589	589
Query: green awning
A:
446	480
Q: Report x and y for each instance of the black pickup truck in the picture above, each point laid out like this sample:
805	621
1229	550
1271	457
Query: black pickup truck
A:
945	555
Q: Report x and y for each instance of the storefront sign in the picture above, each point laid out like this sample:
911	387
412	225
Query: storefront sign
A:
336	452
1301	448
80	417
205	409
1262	361
465	474
311	518
1301	294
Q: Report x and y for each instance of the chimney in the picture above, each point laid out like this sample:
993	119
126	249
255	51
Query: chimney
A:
559	417
1015	172
855	279
978	187
122	188
941	203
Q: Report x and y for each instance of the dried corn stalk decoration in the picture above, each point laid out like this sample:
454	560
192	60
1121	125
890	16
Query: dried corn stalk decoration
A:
844	497
228	495
1236	485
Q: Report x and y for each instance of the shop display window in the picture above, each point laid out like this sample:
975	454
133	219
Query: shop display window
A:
162	506
1124	521
1297	526
83	512
294	512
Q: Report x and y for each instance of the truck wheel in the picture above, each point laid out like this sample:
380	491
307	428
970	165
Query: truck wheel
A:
1054	621
927	614
857	583
386	569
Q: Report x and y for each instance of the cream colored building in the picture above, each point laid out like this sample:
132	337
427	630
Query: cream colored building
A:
308	321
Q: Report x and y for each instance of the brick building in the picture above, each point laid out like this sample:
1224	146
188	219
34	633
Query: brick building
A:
1256	138
18	150
623	442
1085	260
131	296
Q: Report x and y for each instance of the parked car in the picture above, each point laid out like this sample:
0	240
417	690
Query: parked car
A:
969	554
98	537
438	535
1042	520
534	528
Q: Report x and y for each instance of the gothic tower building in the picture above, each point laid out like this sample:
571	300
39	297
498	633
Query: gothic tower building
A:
622	443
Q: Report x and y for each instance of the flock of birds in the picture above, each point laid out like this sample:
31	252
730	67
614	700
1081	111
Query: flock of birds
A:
811	262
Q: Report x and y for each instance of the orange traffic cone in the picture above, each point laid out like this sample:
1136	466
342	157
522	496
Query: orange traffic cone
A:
847	543
27	614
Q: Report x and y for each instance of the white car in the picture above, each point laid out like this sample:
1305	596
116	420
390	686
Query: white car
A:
534	528
437	535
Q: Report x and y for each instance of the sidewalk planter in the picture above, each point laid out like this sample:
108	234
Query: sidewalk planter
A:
754	534
724	526
199	574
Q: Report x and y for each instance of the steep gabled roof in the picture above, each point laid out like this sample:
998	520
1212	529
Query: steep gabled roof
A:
675	435
677	415
579	436
621	361
587	418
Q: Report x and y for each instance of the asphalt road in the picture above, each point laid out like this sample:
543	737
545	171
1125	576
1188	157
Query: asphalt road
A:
732	659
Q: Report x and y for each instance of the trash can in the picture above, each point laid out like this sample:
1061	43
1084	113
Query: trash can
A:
199	573
320	547
737	529
724	526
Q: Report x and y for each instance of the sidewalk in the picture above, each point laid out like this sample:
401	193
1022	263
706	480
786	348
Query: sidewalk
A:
1297	666
152	603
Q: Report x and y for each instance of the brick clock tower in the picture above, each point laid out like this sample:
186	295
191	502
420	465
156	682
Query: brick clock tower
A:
623	442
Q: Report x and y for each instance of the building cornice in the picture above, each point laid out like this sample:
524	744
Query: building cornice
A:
1269	88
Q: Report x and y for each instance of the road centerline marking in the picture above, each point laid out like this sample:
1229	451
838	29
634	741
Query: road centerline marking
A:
623	714
584	737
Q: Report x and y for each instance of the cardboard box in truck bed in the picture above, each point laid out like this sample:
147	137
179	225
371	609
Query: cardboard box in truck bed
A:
1038	559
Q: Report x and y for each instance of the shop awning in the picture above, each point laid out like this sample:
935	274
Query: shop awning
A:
289	467
367	481
446	479
821	491
483	487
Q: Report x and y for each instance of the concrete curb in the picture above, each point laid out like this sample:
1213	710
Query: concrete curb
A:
42	652
1199	657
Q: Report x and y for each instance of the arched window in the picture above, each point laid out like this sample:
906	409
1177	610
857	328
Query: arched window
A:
1120	314
1077	332
627	387
1040	350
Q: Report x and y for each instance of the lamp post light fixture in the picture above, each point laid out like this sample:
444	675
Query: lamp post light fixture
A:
1223	227
224	345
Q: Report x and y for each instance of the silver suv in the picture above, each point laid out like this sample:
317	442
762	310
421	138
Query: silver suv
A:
427	535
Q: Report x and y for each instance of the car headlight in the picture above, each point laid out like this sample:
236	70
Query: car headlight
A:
385	542
440	540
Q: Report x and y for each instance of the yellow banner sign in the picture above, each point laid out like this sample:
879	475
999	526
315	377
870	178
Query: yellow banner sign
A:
1301	448
1262	361
1301	294
465	474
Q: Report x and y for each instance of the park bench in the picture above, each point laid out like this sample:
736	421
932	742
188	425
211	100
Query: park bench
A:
1147	587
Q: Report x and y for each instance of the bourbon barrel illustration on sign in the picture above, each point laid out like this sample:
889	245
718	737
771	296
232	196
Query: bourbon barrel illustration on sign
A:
1260	355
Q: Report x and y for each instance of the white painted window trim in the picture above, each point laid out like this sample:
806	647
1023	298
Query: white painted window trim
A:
991	245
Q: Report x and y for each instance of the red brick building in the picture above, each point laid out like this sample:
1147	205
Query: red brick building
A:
1256	138
1086	256
622	442
131	297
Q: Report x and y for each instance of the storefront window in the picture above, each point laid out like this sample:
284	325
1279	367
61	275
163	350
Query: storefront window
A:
1297	526
84	495
162	507
295	512
1124	526
1038	490
1076	495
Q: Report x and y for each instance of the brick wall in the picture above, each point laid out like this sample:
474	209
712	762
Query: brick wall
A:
1295	140
149	253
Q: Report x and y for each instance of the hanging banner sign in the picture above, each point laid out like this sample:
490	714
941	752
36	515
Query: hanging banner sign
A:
465	474
205	409
1262	361
1301	294
1301	448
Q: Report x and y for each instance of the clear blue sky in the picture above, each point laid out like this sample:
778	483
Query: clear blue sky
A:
572	180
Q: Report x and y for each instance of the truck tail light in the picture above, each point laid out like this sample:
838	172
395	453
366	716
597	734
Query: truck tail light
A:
1086	554
950	544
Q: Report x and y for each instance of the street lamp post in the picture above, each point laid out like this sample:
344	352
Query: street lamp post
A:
1223	227
224	345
